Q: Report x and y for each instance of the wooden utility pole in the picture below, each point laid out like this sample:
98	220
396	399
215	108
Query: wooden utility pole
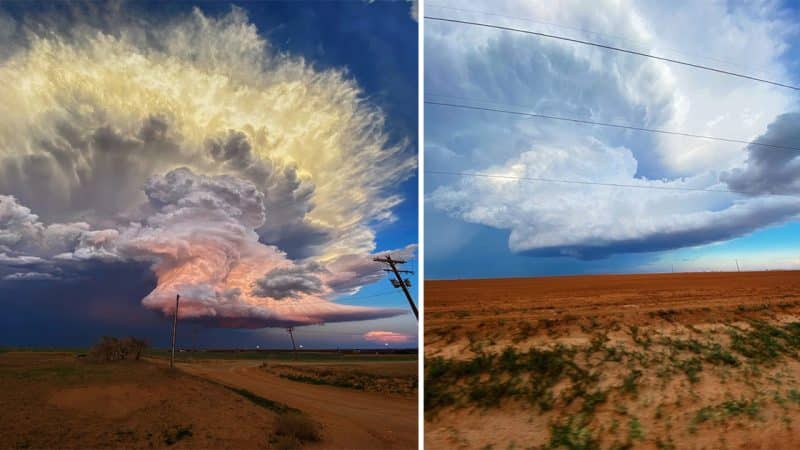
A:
291	335
174	328
400	282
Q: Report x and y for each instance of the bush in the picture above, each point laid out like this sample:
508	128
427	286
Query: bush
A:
134	347
112	349
298	427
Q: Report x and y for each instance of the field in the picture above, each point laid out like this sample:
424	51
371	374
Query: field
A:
390	377
666	361
224	400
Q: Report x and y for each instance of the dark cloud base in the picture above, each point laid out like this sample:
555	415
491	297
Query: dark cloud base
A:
96	300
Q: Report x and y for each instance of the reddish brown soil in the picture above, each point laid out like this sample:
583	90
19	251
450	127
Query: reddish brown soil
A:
698	297
54	401
669	408
350	419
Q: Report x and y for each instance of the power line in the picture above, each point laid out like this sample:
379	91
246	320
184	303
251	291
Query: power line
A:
596	183
612	125
617	49
581	30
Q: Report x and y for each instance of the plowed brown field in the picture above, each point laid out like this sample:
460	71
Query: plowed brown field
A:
698	360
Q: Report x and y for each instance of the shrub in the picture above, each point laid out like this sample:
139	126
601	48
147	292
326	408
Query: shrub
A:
297	427
112	349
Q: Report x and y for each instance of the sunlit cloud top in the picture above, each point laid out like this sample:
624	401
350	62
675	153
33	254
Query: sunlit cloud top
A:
243	175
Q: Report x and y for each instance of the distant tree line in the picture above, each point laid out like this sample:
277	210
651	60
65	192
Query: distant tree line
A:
112	349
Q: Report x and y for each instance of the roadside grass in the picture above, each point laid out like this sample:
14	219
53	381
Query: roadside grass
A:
730	408
294	429
271	405
567	378
573	434
347	378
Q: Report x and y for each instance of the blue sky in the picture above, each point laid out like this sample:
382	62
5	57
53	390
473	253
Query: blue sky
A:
498	227
72	295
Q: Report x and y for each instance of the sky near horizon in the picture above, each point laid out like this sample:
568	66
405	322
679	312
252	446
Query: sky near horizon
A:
251	157
494	227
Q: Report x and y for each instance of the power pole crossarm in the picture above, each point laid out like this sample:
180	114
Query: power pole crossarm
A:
400	282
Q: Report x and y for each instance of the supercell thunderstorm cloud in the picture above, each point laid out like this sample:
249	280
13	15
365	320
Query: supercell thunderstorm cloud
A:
244	177
643	192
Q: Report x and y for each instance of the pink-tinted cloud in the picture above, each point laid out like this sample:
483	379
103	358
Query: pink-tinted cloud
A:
200	239
387	337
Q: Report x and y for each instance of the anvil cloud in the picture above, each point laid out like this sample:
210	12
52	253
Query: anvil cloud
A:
245	177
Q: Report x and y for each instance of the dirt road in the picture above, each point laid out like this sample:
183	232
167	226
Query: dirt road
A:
351	419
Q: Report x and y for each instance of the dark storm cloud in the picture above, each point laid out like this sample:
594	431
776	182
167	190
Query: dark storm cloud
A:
770	170
287	198
745	220
288	282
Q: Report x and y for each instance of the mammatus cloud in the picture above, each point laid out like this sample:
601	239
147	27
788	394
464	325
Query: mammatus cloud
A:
246	177
386	337
576	81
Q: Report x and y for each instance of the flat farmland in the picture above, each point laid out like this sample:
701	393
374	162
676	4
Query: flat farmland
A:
237	400
688	360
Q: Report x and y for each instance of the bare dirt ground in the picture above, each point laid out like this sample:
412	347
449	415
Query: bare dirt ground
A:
696	361
54	401
351	419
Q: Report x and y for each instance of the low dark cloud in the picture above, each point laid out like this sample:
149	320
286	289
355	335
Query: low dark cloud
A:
743	220
771	170
289	282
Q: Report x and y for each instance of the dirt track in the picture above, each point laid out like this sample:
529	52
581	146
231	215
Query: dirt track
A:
351	419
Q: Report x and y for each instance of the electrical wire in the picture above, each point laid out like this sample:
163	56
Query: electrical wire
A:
611	47
612	125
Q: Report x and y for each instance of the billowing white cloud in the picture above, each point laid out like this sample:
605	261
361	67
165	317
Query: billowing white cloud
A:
554	219
521	72
202	92
201	241
243	175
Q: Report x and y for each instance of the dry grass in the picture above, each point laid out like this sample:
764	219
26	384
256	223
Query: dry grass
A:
54	400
